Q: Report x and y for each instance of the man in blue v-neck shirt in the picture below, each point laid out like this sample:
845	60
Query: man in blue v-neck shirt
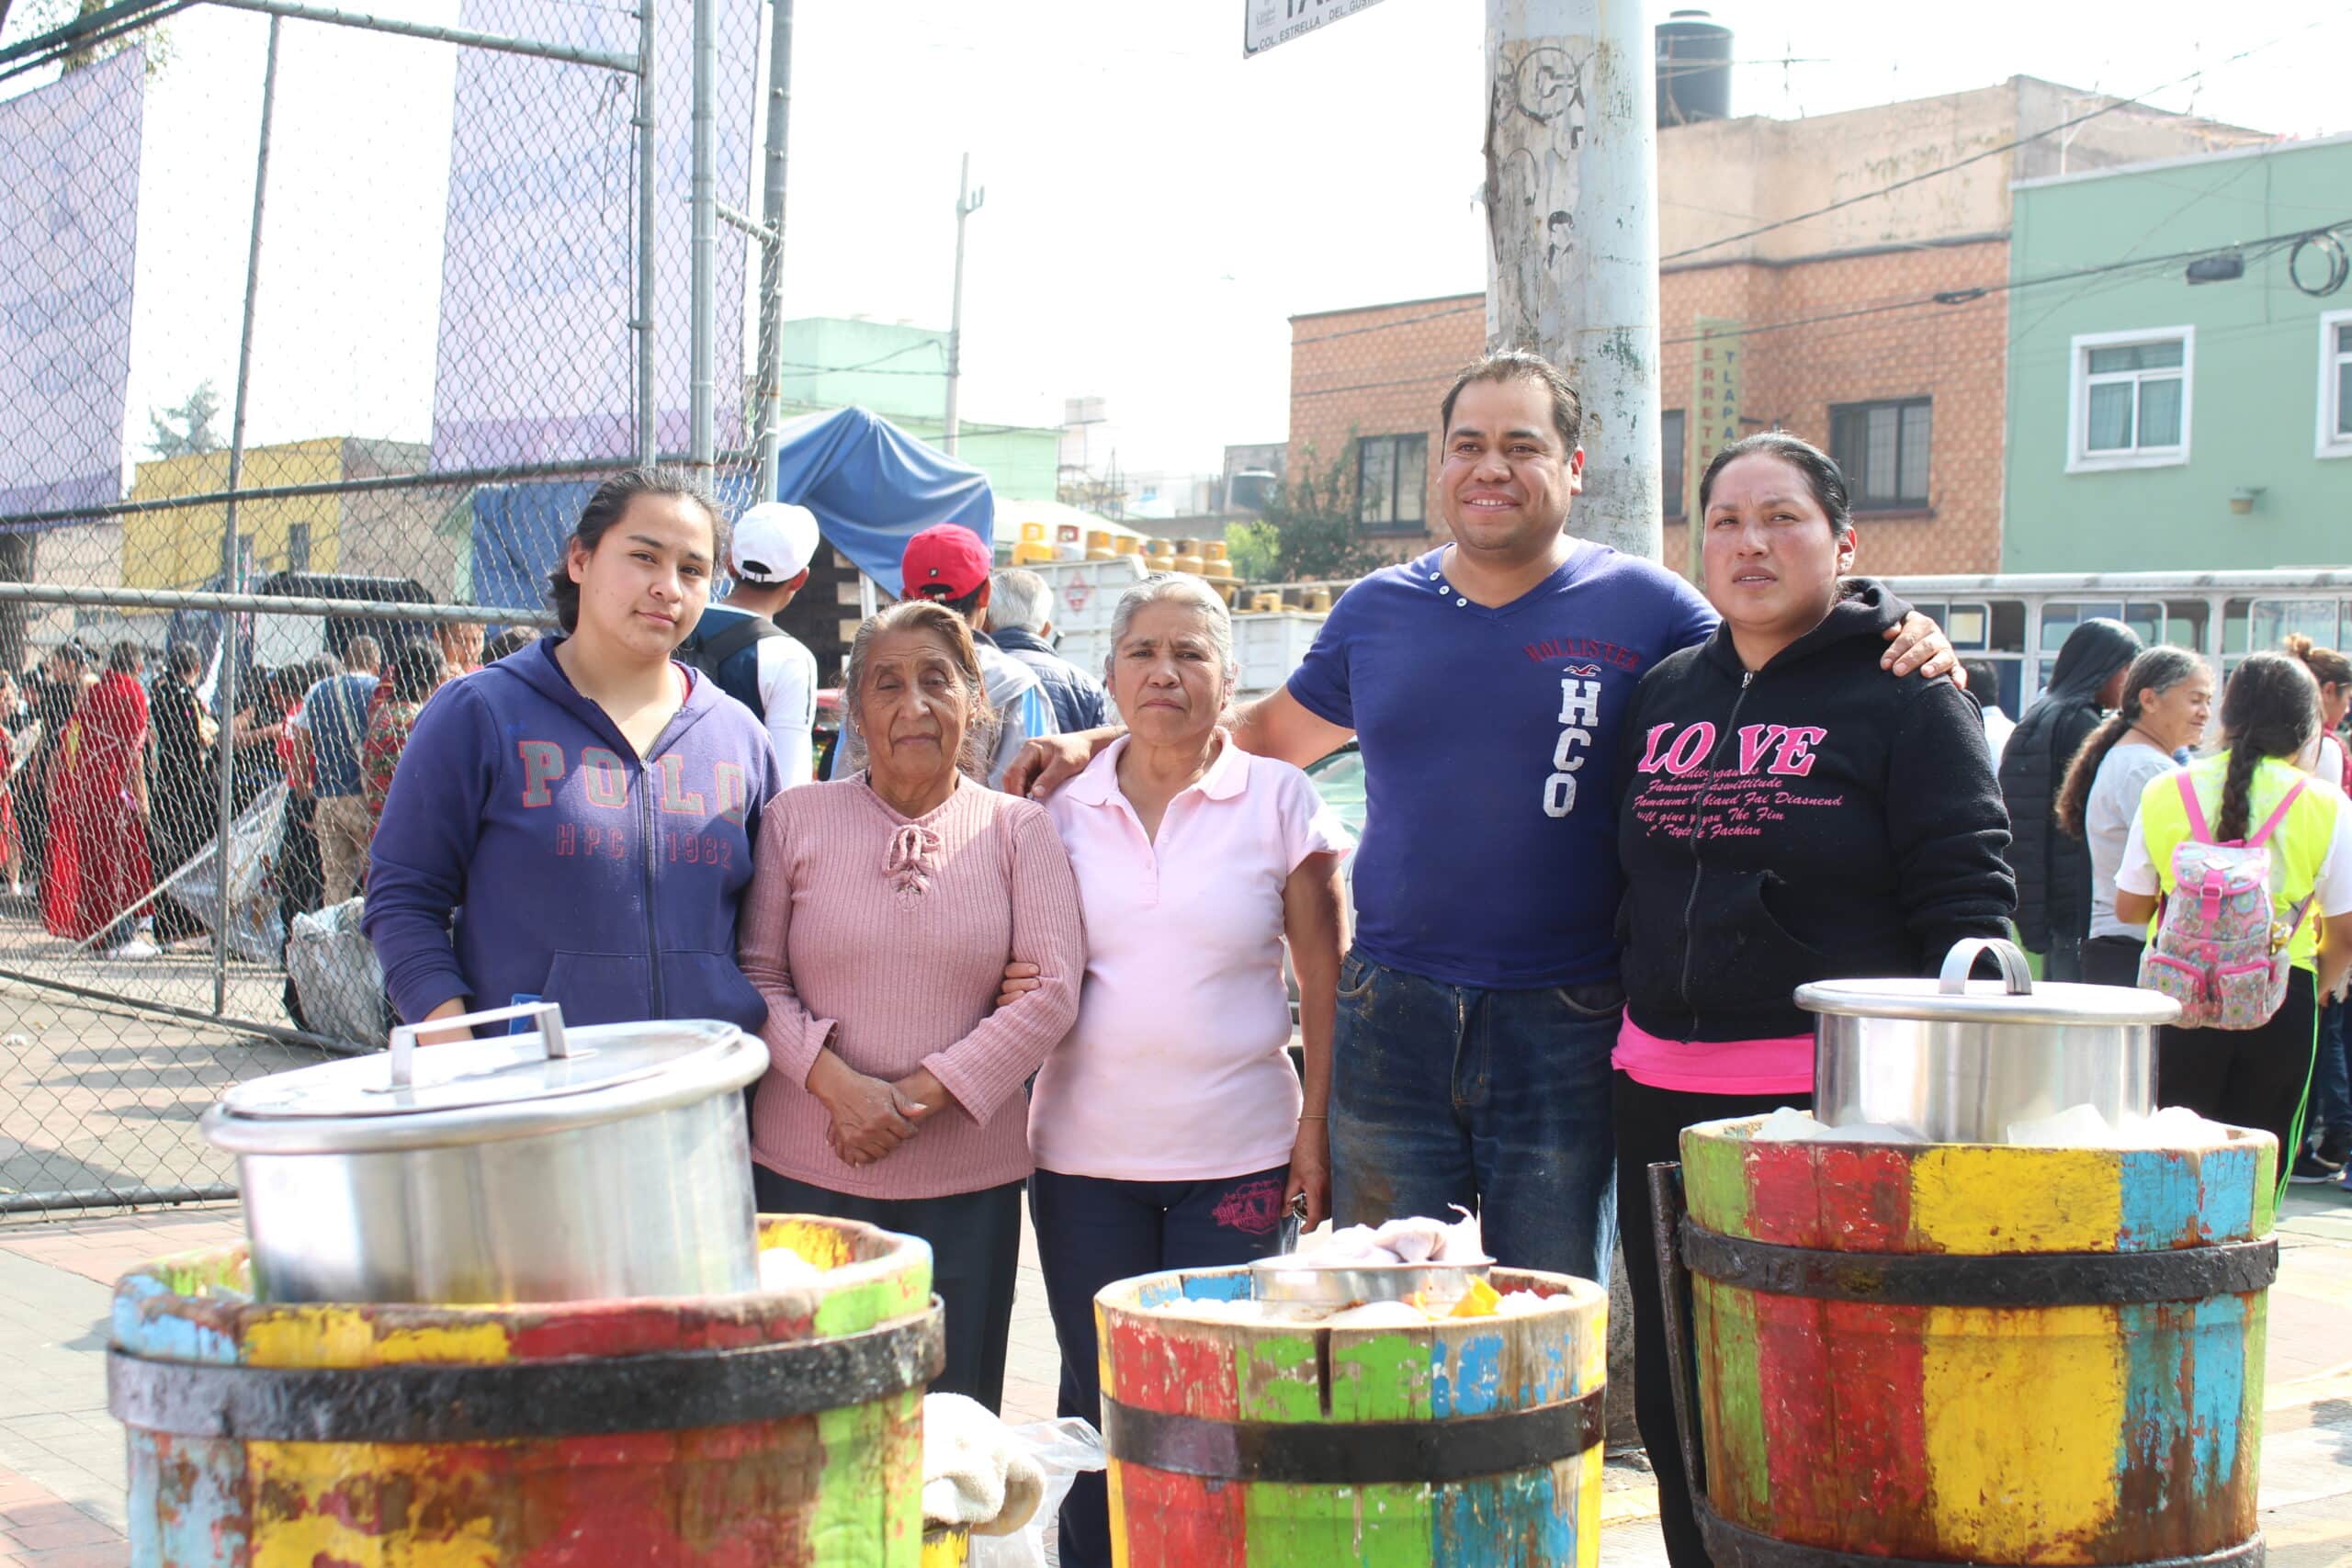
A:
1483	682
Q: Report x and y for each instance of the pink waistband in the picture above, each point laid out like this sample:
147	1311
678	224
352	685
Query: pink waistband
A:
1715	1067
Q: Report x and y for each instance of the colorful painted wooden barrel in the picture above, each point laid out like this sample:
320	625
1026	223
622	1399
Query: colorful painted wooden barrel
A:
774	1427
1475	1442
1973	1353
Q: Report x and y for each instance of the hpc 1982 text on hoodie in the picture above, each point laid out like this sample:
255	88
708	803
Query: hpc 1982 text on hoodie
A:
1817	820
526	850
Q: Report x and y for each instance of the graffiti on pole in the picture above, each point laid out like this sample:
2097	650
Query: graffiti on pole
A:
1535	132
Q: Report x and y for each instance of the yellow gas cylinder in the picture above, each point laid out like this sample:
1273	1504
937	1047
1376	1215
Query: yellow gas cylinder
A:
1188	557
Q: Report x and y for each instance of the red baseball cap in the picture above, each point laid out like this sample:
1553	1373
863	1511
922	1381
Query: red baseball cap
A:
944	561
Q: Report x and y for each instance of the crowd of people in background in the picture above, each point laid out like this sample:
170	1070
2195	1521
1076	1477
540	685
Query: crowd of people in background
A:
110	774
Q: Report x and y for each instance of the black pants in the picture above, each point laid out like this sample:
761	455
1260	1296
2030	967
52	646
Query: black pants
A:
2248	1078
2112	960
1091	1232
1649	1126
975	1257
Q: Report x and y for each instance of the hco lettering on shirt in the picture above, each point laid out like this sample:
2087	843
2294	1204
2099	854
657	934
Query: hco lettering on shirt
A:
1580	714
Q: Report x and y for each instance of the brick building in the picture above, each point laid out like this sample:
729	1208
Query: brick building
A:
1835	316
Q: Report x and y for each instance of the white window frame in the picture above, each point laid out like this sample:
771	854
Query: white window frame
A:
2079	458
2331	444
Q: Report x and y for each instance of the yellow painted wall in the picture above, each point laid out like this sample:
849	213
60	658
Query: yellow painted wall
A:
181	547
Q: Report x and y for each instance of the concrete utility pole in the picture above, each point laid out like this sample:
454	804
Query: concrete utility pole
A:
967	201
1572	229
702	444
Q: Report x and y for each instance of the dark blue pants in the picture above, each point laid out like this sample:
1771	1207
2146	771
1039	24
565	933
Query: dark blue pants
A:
1092	1231
974	1259
1495	1100
2332	1084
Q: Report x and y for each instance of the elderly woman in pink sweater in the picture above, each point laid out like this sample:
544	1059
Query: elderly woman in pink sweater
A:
883	910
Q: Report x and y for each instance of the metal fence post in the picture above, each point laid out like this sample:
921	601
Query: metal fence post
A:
225	749
648	170
702	444
771	344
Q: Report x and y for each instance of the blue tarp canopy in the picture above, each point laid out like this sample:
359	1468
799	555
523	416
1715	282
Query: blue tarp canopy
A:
871	485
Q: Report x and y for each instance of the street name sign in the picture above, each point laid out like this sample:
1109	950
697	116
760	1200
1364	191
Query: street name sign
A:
1266	23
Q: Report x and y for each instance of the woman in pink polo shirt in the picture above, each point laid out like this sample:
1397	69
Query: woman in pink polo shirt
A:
1169	1129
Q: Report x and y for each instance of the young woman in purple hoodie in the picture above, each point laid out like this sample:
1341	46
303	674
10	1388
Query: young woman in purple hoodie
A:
574	823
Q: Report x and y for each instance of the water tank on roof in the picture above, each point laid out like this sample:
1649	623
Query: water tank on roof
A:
1693	69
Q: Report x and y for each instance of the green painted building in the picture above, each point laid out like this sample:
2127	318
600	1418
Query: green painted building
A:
900	373
2159	425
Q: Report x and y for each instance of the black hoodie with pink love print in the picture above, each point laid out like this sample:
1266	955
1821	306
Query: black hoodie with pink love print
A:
1816	819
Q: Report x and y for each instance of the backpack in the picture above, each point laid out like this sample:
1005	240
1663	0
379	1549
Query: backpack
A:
2216	951
707	655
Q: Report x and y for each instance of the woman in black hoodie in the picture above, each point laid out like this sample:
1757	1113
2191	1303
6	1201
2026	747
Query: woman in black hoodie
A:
1787	814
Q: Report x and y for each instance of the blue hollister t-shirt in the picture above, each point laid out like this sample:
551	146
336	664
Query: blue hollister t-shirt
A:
1489	737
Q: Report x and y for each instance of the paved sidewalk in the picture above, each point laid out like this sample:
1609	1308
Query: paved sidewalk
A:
61	1455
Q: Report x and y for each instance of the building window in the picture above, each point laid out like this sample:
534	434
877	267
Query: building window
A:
2130	399
1883	449
1391	482
2335	384
298	547
1670	453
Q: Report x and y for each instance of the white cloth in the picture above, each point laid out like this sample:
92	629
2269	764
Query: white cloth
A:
975	1472
788	706
1997	725
2108	817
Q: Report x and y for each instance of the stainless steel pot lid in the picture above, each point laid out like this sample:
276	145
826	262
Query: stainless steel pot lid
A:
2016	998
478	1090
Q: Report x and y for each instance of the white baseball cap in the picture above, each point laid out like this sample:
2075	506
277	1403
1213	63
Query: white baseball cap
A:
774	541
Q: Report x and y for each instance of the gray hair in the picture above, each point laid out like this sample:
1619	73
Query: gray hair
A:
1177	588
926	615
1020	599
363	652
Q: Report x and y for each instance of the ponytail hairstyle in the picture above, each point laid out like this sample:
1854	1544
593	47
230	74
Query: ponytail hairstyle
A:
2328	667
2271	709
2154	672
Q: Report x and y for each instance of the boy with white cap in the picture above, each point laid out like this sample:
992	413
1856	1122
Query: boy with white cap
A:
740	646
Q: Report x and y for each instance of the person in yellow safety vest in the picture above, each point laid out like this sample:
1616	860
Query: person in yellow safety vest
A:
2255	1077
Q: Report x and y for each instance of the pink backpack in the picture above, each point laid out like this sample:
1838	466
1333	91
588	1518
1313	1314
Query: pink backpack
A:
2216	951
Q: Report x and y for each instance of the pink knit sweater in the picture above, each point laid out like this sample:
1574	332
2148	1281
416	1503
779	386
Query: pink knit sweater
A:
888	936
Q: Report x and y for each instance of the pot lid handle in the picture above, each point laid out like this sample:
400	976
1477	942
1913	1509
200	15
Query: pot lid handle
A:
550	1033
1962	958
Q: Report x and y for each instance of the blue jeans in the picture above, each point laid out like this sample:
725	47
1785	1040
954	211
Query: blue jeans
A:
1093	1230
1497	1100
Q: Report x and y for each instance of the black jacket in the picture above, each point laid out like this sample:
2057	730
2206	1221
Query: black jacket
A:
1820	820
1078	700
2054	868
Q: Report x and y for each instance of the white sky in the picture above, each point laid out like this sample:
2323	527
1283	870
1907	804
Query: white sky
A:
1157	206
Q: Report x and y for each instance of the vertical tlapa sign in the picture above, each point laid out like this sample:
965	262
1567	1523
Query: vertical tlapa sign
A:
69	226
1717	358
537	359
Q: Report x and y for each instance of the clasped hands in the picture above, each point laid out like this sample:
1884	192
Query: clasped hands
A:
870	1116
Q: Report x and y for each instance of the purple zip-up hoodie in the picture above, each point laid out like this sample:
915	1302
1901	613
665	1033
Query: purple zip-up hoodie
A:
526	851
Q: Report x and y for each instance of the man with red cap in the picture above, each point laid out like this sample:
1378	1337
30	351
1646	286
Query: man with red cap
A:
951	563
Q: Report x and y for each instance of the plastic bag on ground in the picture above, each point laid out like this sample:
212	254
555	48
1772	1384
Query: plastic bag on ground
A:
337	975
1063	1450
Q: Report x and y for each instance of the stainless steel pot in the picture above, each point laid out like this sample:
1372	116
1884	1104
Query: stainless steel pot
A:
1955	1061
562	1165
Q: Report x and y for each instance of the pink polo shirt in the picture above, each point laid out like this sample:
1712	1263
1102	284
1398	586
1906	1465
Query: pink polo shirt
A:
1178	1067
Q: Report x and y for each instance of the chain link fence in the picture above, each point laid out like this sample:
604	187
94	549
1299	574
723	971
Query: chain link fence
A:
315	331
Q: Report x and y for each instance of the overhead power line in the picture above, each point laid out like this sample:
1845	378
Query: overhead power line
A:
1886	190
